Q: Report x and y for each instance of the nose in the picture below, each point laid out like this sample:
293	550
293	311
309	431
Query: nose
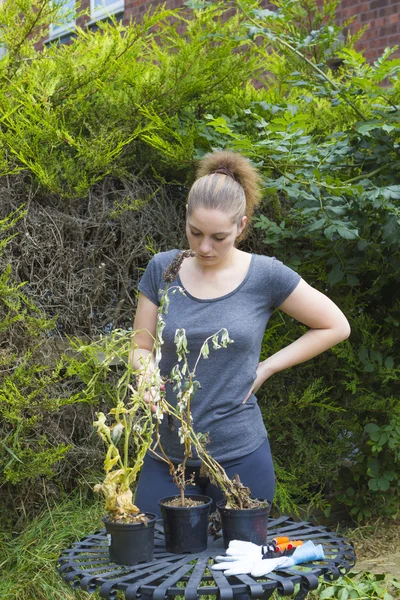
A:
205	246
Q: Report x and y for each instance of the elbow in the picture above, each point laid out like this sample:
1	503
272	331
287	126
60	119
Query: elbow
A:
344	330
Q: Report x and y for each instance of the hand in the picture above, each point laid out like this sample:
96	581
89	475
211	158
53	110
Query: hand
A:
151	395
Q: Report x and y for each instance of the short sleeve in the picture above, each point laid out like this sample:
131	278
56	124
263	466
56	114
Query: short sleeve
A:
149	284
285	280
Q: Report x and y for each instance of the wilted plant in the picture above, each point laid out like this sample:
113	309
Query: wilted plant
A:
129	436
134	420
186	385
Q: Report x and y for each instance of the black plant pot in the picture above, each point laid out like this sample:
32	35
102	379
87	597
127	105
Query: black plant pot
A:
131	543
248	525
185	527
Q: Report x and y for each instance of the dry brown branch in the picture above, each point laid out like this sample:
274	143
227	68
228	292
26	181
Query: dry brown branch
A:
82	261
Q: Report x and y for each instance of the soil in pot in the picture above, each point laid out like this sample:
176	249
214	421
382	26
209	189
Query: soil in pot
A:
185	527
188	502
248	525
131	543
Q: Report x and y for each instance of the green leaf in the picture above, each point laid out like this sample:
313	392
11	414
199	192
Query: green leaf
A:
328	592
366	127
371	428
373	485
391	192
336	274
317	225
205	350
383	484
329	231
338	210
391	230
347	233
343	594
352	280
389	362
362	244
395	583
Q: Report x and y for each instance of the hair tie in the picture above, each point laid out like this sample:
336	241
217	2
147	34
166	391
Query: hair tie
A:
224	171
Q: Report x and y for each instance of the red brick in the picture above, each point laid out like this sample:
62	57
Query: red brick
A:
389	30
379	3
368	16
347	3
392	40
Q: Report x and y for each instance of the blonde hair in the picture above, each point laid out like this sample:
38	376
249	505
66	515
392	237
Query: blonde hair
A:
226	181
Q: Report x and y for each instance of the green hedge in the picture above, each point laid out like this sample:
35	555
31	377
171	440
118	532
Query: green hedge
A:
99	140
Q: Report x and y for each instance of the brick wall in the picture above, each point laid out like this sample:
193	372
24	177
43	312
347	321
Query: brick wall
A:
383	20
381	16
135	8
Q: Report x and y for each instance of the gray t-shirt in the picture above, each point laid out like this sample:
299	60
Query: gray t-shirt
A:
235	429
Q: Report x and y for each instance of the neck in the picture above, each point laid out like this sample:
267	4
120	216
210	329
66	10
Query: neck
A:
224	263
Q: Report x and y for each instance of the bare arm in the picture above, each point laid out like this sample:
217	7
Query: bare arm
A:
144	327
328	326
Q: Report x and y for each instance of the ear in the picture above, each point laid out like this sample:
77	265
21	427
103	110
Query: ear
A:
242	225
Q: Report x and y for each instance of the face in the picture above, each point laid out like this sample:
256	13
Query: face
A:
211	234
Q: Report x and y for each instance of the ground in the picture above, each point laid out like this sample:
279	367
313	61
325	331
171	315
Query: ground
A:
378	547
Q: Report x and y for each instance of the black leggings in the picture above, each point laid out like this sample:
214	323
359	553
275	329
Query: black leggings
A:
255	470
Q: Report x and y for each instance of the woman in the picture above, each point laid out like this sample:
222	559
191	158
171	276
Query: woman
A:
226	287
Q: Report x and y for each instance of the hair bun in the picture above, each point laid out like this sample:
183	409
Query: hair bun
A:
238	167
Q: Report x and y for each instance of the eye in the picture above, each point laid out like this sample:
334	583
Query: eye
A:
196	234
220	239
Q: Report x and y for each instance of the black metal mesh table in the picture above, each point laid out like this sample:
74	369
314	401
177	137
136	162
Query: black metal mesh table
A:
86	565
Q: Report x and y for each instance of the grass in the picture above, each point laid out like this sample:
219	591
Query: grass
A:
27	561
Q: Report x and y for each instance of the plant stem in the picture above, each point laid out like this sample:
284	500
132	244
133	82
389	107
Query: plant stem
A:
127	431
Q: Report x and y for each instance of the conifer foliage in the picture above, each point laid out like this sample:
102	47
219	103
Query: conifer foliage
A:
98	142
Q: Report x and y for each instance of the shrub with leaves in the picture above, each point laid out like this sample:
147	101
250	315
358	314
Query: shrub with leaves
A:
34	401
366	586
99	138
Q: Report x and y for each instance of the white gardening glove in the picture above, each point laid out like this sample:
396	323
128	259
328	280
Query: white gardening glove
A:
238	550
256	567
240	564
240	558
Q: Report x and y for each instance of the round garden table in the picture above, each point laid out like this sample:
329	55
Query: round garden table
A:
86	565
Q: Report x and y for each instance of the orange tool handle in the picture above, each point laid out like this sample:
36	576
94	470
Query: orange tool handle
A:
294	544
280	540
282	547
